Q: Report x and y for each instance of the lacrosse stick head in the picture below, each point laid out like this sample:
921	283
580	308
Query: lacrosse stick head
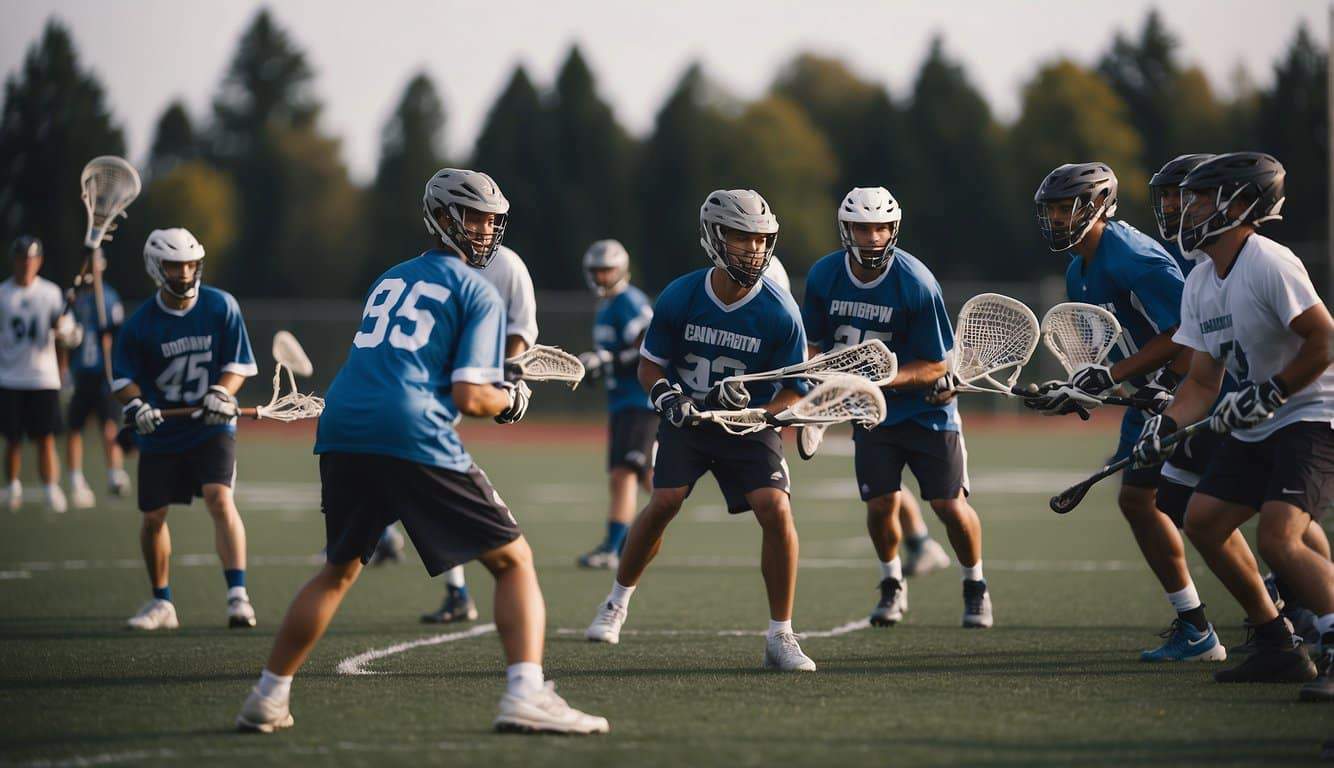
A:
287	351
840	399
292	406
994	333
543	363
870	360
742	422
1079	334
109	184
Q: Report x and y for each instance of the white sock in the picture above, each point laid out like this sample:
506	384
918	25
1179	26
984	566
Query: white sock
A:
76	478
273	686
972	572
237	592
892	569
779	627
523	678
454	577
620	596
1185	599
1324	624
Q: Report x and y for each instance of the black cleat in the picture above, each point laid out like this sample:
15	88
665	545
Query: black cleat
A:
455	608
893	603
1271	665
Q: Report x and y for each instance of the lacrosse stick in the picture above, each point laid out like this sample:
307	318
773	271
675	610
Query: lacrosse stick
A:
1080	335
108	185
1068	499
994	333
835	400
870	360
543	363
294	405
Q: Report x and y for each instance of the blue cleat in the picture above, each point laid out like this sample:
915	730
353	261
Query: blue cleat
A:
1186	643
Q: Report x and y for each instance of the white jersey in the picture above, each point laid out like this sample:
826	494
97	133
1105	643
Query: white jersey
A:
1242	320
778	273
510	277
28	316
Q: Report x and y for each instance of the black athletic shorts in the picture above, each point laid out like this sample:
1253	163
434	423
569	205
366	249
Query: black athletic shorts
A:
1132	423
451	516
91	396
32	413
179	477
1183	471
739	463
938	459
1295	465
634	433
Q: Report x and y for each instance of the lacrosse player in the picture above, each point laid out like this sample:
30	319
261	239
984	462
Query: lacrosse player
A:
506	273
186	347
1115	266
92	394
623	315
870	289
710	324
428	351
32	323
1251	311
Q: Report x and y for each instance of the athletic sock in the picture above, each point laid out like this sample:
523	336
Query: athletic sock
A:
1186	602
972	572
523	678
460	593
454	577
76	478
620	596
235	577
779	627
914	541
237	592
273	686
162	593
892	569
615	536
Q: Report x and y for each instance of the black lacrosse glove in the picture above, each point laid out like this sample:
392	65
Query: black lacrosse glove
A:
1248	406
727	396
674	405
943	390
519	396
1156	395
1149	450
1057	398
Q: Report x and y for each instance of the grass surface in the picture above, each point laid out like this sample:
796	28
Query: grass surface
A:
1057	682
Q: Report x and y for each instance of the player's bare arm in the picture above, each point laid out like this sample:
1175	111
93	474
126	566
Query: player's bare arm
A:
1316	329
479	400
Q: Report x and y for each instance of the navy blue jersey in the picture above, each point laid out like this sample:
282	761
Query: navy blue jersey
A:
427	323
619	322
699	340
1136	279
88	357
175	355
902	307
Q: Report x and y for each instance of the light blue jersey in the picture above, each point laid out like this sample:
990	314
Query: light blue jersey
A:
427	323
902	307
699	340
619	322
175	355
88	357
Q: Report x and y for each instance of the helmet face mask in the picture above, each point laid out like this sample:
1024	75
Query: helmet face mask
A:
1166	202
1071	200
738	231
174	246
1204	215
183	280
747	253
1227	191
606	268
467	212
860	241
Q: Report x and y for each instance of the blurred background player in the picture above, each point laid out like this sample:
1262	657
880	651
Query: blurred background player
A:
430	350
186	346
622	317
715	322
507	273
1115	266
92	395
870	289
32	322
1254	312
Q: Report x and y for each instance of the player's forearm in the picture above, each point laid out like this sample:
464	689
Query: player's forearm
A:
649	372
782	400
1156	352
1313	357
920	373
812	350
1196	394
515	346
479	400
127	393
231	382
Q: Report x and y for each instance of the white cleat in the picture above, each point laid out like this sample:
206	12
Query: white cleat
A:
783	653
930	557
606	626
14	496
893	603
545	712
976	605
81	496
156	614
263	715
55	499
240	613
118	482
600	559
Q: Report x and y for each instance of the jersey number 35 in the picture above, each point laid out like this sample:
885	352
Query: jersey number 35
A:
382	304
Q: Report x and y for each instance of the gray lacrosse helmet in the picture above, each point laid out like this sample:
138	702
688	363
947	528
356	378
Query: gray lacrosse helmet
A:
1090	191
605	254
869	205
1166	185
451	190
1249	177
743	210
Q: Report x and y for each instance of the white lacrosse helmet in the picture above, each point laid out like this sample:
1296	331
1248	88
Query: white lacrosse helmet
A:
176	245
606	254
869	205
743	210
451	190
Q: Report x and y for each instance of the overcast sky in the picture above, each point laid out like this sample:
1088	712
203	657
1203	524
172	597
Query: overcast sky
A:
150	51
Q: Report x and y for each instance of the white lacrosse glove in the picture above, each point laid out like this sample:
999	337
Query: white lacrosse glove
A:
519	395
945	389
69	334
596	363
1058	398
219	406
727	396
1149	450
143	417
674	405
809	437
1248	406
1093	380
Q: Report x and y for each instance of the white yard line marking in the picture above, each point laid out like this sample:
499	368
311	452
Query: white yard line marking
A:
13	575
356	665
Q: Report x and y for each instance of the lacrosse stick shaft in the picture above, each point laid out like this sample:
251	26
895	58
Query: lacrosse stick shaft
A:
176	413
1068	499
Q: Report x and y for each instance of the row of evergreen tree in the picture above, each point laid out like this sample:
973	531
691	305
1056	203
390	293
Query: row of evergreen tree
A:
265	188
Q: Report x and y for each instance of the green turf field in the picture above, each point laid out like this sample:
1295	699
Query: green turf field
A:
1057	682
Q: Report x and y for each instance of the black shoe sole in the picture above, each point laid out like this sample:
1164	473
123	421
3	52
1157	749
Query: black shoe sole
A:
883	622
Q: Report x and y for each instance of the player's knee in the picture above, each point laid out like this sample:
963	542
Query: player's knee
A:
774	511
1135	503
218	499
341	576
882	506
665	503
516	554
153	520
1274	544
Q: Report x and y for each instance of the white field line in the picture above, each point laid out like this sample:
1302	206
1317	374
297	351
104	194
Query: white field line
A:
356	665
